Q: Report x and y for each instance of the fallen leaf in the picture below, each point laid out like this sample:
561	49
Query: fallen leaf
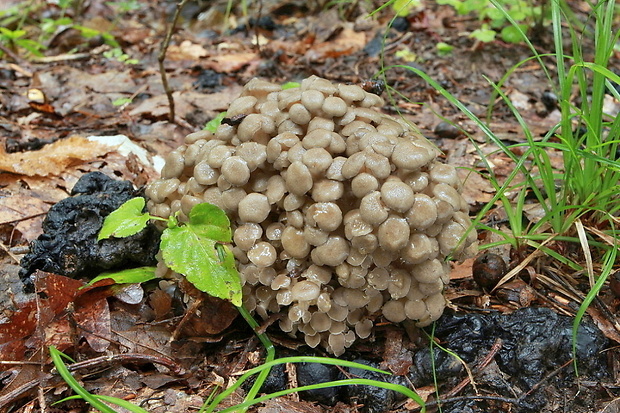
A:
186	51
161	302
462	270
395	355
476	188
347	43
55	316
13	333
53	158
230	62
25	212
186	103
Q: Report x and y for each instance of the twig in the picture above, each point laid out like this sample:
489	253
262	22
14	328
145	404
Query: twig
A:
16	393
191	311
497	345
9	253
461	398
62	58
174	367
545	379
162	57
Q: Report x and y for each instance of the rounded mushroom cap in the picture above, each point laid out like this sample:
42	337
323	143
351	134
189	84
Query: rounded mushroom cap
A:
363	184
332	253
394	311
298	178
372	210
397	195
393	234
428	271
294	243
325	215
262	254
305	291
254	207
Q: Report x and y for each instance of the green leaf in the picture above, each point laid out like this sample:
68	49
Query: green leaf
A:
511	34
212	125
484	35
403	7
121	101
444	48
209	221
130	276
290	85
197	258
195	250
127	220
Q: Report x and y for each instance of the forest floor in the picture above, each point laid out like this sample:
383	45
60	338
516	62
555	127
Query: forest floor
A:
51	106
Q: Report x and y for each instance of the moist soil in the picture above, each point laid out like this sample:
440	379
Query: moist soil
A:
165	346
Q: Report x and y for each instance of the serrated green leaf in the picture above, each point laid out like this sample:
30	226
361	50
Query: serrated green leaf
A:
127	220
209	221
196	257
130	276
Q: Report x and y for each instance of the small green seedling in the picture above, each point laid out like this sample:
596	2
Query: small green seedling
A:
14	40
444	49
196	249
212	125
120	56
290	85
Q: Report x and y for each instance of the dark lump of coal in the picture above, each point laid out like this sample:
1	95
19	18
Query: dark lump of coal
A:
68	245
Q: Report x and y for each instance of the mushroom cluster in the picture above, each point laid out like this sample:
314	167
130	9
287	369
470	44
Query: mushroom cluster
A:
340	213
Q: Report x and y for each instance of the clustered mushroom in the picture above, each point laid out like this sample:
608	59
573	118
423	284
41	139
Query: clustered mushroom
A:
340	213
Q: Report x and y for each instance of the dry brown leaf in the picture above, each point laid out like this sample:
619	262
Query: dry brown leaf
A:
26	212
476	189
186	103
348	42
53	158
230	62
462	270
186	51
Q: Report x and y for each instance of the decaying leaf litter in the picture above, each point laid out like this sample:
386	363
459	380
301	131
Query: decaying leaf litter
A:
206	69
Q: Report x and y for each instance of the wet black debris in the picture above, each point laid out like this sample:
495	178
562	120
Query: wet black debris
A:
313	373
371	398
533	342
68	245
